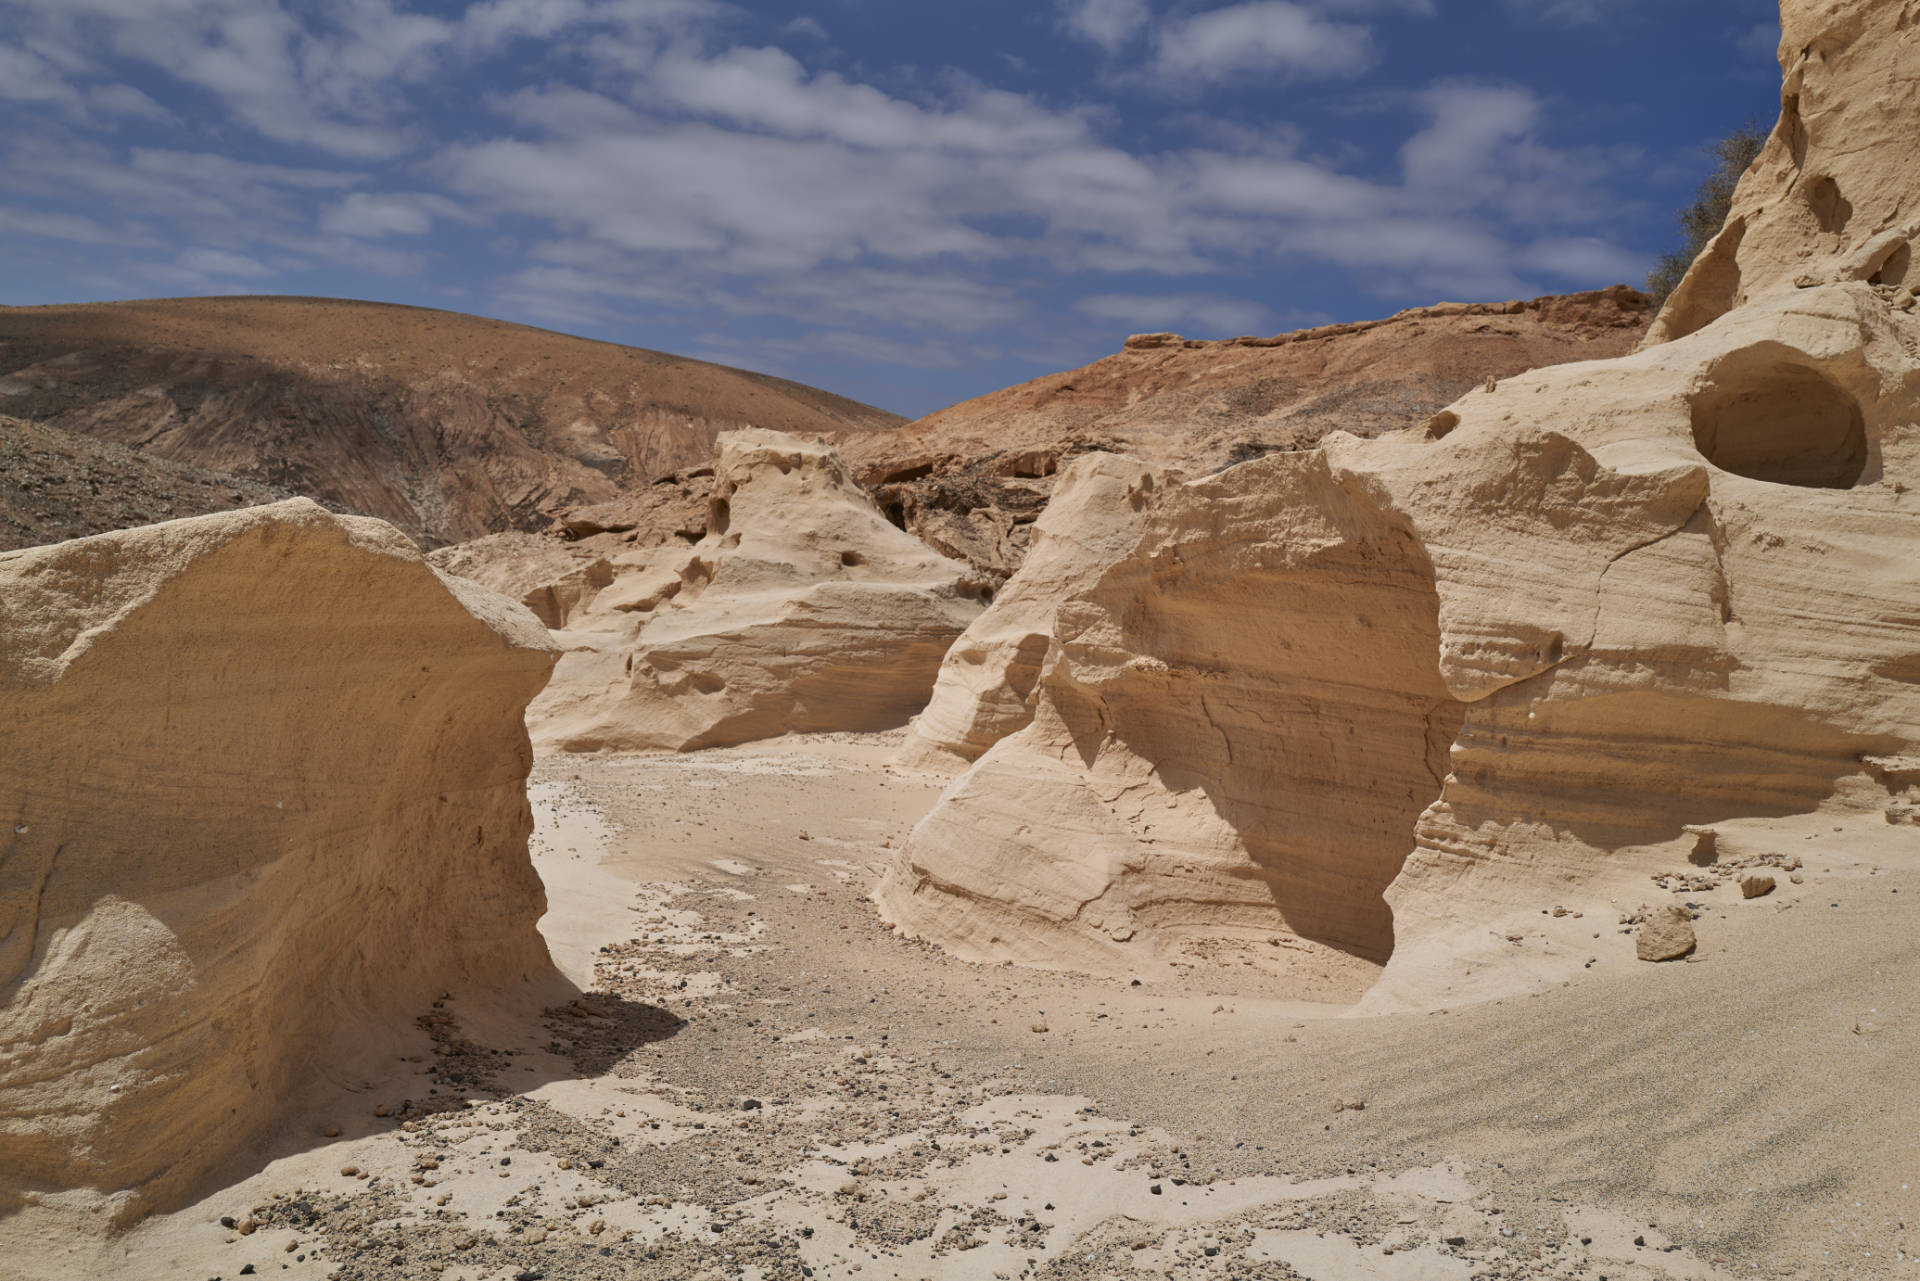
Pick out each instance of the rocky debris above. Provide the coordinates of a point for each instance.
(987, 679)
(449, 426)
(800, 609)
(971, 479)
(1831, 197)
(1364, 700)
(56, 485)
(221, 740)
(1666, 935)
(1721, 873)
(1755, 885)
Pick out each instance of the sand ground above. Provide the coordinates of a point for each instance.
(761, 1081)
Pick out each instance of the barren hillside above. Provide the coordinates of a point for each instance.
(56, 485)
(449, 426)
(971, 478)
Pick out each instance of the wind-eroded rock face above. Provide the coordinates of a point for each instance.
(262, 780)
(986, 682)
(1834, 195)
(1463, 672)
(801, 609)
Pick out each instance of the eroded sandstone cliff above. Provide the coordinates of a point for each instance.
(1458, 671)
(800, 609)
(1831, 196)
(262, 780)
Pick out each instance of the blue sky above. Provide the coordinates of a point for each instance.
(909, 203)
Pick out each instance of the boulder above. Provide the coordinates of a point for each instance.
(1666, 935)
(1756, 886)
(801, 609)
(984, 691)
(262, 787)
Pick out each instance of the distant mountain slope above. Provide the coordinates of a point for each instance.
(55, 485)
(970, 479)
(449, 426)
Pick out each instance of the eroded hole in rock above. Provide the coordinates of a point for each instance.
(1781, 423)
(852, 558)
(718, 513)
(1830, 209)
(1894, 270)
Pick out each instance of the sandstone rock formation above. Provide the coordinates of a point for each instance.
(449, 426)
(986, 683)
(971, 479)
(801, 609)
(1352, 706)
(262, 780)
(1831, 196)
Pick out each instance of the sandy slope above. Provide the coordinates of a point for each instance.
(1751, 1113)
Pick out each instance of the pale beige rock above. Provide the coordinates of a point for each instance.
(262, 776)
(1834, 195)
(802, 609)
(984, 691)
(1612, 601)
(1666, 935)
(1755, 886)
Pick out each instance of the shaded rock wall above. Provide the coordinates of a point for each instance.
(262, 780)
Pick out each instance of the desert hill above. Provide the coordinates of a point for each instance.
(56, 485)
(450, 426)
(971, 478)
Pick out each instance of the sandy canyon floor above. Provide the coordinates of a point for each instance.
(761, 1081)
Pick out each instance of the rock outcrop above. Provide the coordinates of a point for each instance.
(971, 479)
(1831, 197)
(801, 609)
(986, 683)
(262, 781)
(1353, 706)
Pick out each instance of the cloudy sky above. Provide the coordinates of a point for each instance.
(905, 201)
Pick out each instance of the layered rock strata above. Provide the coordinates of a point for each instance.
(262, 781)
(801, 609)
(1355, 704)
(986, 683)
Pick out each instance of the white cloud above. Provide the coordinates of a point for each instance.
(1570, 12)
(1110, 24)
(1583, 260)
(1215, 316)
(1271, 37)
(221, 262)
(26, 77)
(366, 214)
(1456, 153)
